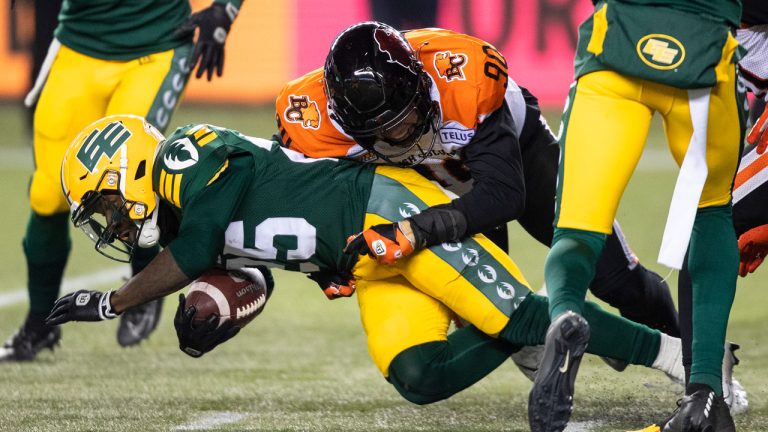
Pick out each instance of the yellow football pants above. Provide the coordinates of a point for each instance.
(412, 302)
(607, 124)
(80, 90)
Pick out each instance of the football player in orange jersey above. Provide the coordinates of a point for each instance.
(443, 102)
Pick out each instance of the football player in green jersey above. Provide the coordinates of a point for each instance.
(214, 197)
(635, 58)
(107, 57)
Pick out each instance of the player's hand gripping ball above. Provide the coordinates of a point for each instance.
(218, 304)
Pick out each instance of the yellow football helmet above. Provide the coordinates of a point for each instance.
(106, 177)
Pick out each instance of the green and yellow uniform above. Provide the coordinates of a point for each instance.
(636, 58)
(241, 201)
(108, 57)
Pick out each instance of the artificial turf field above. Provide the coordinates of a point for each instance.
(303, 364)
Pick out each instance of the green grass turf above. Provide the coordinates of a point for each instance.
(303, 364)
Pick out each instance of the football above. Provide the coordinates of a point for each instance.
(237, 295)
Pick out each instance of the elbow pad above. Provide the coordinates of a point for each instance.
(439, 224)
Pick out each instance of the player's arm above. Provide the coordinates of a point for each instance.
(497, 196)
(213, 23)
(206, 215)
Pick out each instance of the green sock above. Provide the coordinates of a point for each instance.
(570, 267)
(46, 245)
(142, 257)
(611, 335)
(434, 371)
(713, 261)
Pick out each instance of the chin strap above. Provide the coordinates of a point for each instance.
(150, 232)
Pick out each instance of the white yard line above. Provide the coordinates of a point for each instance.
(211, 420)
(585, 426)
(75, 283)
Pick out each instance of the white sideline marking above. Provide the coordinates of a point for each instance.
(85, 281)
(212, 419)
(582, 426)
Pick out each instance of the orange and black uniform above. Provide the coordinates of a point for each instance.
(494, 151)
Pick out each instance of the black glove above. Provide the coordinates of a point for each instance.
(198, 337)
(214, 23)
(334, 284)
(81, 305)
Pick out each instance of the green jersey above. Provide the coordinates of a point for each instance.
(727, 10)
(244, 201)
(123, 29)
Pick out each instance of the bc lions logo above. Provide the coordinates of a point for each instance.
(302, 110)
(450, 66)
(395, 47)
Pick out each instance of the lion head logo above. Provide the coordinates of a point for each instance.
(450, 66)
(304, 111)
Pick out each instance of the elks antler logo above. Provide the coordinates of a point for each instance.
(450, 66)
(302, 110)
(395, 47)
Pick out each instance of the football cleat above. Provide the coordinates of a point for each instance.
(26, 343)
(734, 394)
(527, 359)
(701, 411)
(550, 402)
(137, 323)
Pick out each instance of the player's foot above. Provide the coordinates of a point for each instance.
(701, 411)
(527, 359)
(136, 324)
(551, 400)
(33, 337)
(734, 394)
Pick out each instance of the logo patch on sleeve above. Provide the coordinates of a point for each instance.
(453, 135)
(304, 111)
(450, 66)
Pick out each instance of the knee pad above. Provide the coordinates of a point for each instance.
(45, 195)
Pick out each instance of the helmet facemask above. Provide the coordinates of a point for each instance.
(104, 215)
(408, 138)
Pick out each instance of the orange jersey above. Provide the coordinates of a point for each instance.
(469, 82)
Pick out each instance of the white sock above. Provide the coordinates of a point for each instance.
(670, 358)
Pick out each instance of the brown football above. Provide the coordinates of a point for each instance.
(237, 295)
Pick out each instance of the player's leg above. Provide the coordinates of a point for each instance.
(476, 279)
(713, 254)
(596, 163)
(71, 99)
(408, 342)
(620, 280)
(151, 87)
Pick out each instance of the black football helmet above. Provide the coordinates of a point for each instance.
(379, 93)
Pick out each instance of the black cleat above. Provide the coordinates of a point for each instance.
(550, 402)
(701, 411)
(137, 323)
(29, 341)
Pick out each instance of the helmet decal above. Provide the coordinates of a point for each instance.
(394, 46)
(102, 142)
(304, 111)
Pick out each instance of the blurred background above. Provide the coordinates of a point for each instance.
(303, 365)
(275, 41)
